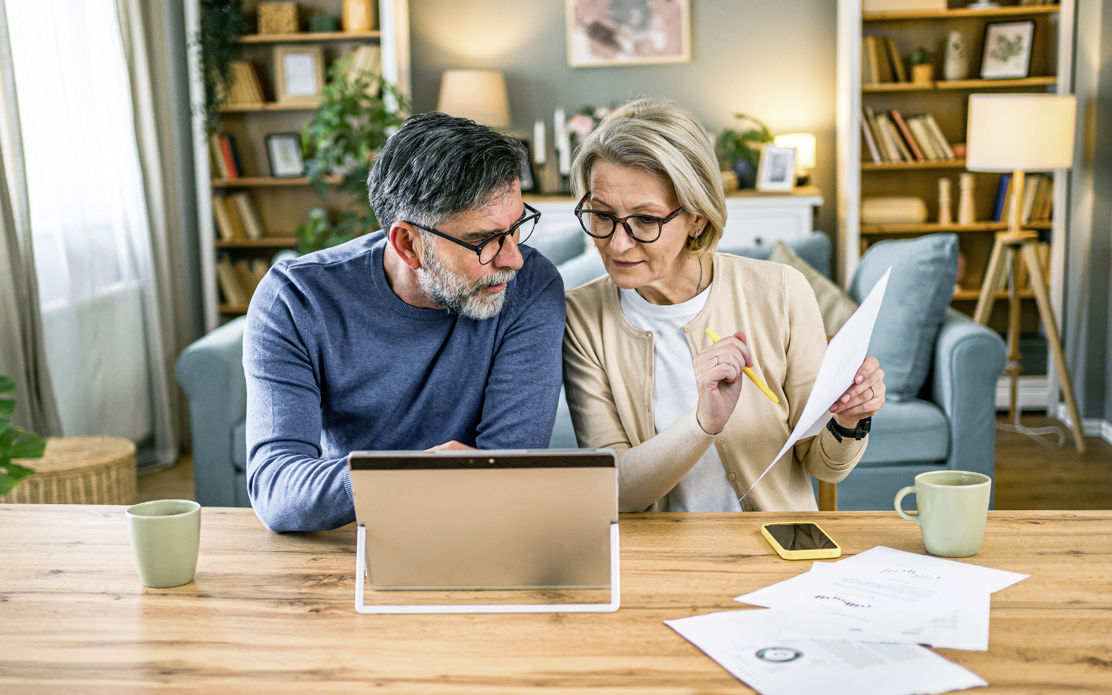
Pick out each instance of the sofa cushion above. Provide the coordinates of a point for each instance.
(239, 445)
(813, 248)
(906, 432)
(582, 269)
(919, 290)
(834, 304)
(559, 243)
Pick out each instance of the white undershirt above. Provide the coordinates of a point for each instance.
(704, 488)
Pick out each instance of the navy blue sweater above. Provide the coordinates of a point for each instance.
(336, 362)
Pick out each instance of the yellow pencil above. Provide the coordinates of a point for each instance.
(748, 371)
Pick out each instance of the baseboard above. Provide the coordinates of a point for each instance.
(1090, 427)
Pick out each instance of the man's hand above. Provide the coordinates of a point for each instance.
(451, 446)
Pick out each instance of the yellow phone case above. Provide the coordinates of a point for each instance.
(815, 554)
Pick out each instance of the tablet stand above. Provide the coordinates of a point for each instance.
(362, 607)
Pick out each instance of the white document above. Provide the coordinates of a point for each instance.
(844, 354)
(763, 649)
(891, 595)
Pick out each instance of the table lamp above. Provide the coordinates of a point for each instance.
(1018, 133)
(804, 144)
(476, 94)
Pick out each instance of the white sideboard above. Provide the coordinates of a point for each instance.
(752, 217)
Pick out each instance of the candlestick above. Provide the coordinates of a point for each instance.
(539, 145)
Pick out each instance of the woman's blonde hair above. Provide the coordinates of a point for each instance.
(665, 139)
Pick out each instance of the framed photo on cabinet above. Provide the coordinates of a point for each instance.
(1007, 50)
(300, 74)
(633, 32)
(776, 171)
(284, 152)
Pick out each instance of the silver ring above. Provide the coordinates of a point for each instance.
(872, 393)
(715, 362)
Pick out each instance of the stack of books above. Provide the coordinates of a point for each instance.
(244, 86)
(881, 61)
(236, 218)
(1038, 199)
(225, 157)
(889, 137)
(238, 280)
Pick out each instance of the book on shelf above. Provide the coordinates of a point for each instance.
(899, 73)
(939, 139)
(1043, 200)
(926, 143)
(230, 285)
(892, 136)
(224, 226)
(1030, 189)
(882, 146)
(366, 58)
(1003, 186)
(246, 87)
(905, 133)
(231, 152)
(870, 142)
(259, 268)
(219, 164)
(246, 276)
(245, 207)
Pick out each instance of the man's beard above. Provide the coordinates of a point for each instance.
(456, 293)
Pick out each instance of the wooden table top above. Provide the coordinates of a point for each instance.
(276, 613)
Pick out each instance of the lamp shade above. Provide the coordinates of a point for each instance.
(1032, 132)
(804, 144)
(476, 94)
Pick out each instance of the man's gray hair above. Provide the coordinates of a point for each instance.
(438, 165)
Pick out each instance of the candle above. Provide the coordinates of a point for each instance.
(560, 134)
(565, 153)
(539, 149)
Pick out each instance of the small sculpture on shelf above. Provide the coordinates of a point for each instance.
(955, 66)
(945, 215)
(965, 199)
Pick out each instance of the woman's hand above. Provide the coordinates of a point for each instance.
(719, 380)
(864, 398)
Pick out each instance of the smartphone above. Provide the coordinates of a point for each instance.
(800, 541)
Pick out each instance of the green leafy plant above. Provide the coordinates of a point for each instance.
(15, 442)
(353, 121)
(920, 56)
(222, 26)
(744, 142)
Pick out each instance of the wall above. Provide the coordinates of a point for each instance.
(774, 60)
(1088, 320)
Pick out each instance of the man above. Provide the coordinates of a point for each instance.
(441, 331)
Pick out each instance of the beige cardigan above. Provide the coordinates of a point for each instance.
(608, 377)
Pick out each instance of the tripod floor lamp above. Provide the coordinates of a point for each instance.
(1018, 133)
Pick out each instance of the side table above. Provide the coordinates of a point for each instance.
(80, 470)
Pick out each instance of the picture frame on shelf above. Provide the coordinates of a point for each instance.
(300, 74)
(626, 34)
(528, 178)
(776, 171)
(1007, 50)
(283, 150)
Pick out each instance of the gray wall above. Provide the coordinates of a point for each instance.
(1088, 321)
(774, 60)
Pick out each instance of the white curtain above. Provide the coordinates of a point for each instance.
(89, 224)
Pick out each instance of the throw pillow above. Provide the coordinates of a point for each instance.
(919, 290)
(834, 304)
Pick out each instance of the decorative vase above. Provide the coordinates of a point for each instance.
(956, 64)
(965, 199)
(922, 73)
(358, 15)
(746, 173)
(944, 214)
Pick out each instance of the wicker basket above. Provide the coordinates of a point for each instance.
(277, 17)
(80, 470)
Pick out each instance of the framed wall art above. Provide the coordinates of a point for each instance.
(602, 33)
(300, 73)
(1007, 50)
(284, 152)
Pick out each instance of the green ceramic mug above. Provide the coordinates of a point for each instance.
(165, 536)
(953, 506)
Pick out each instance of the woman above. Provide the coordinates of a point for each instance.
(641, 374)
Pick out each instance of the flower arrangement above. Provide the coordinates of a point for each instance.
(584, 121)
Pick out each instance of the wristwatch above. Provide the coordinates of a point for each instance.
(858, 432)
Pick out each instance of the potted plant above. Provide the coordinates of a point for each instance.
(222, 26)
(740, 149)
(922, 65)
(357, 111)
(15, 442)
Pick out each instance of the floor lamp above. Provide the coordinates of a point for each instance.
(1018, 133)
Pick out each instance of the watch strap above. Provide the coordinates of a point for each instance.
(859, 432)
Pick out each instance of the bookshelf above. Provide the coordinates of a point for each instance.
(279, 203)
(859, 177)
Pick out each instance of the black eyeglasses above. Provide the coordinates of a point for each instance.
(643, 228)
(486, 249)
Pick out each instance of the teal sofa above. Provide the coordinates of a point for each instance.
(947, 422)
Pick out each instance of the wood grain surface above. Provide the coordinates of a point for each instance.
(275, 613)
